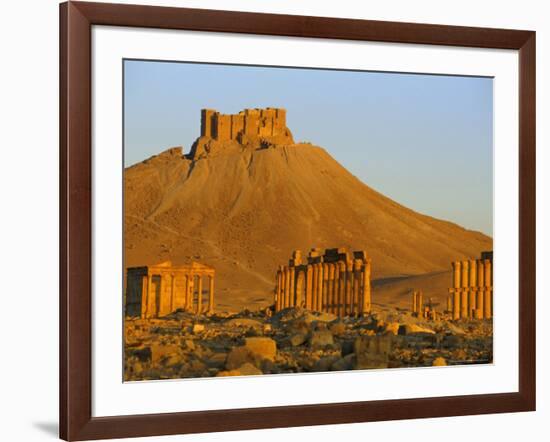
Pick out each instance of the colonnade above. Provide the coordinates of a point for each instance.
(336, 282)
(156, 291)
(418, 303)
(471, 294)
(423, 309)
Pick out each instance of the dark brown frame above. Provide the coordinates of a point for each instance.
(76, 421)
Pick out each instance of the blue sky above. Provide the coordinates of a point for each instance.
(425, 141)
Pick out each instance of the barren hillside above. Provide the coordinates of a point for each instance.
(243, 211)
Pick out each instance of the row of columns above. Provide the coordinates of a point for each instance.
(167, 292)
(471, 296)
(418, 303)
(342, 287)
(422, 309)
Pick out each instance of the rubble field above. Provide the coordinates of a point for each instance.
(294, 340)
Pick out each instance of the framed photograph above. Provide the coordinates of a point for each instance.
(275, 220)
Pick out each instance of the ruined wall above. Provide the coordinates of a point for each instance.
(253, 123)
(206, 122)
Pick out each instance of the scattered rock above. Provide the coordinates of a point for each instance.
(216, 360)
(411, 329)
(452, 341)
(298, 327)
(246, 369)
(459, 354)
(265, 348)
(347, 347)
(244, 322)
(324, 363)
(161, 351)
(249, 370)
(454, 329)
(142, 354)
(337, 328)
(198, 328)
(392, 327)
(439, 362)
(319, 339)
(197, 366)
(239, 356)
(189, 344)
(345, 363)
(372, 351)
(298, 339)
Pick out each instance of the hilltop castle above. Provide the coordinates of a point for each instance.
(253, 128)
(268, 122)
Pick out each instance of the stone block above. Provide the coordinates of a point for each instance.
(265, 348)
(320, 339)
(160, 352)
(372, 351)
(239, 356)
(247, 369)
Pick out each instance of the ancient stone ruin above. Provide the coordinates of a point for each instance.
(421, 309)
(472, 291)
(252, 128)
(336, 282)
(157, 290)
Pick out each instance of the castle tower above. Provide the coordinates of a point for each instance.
(206, 122)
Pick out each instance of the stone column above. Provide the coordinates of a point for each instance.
(199, 294)
(473, 286)
(464, 297)
(151, 299)
(349, 287)
(330, 289)
(336, 290)
(190, 292)
(277, 290)
(366, 287)
(420, 301)
(161, 308)
(325, 299)
(292, 287)
(319, 306)
(144, 292)
(487, 304)
(184, 291)
(456, 289)
(414, 302)
(287, 287)
(480, 285)
(356, 286)
(309, 287)
(449, 304)
(172, 293)
(211, 295)
(342, 289)
(314, 285)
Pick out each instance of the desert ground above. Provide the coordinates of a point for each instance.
(295, 340)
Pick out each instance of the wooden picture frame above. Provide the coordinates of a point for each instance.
(76, 20)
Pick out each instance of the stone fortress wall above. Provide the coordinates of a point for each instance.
(253, 123)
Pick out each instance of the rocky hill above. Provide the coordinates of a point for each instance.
(242, 203)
